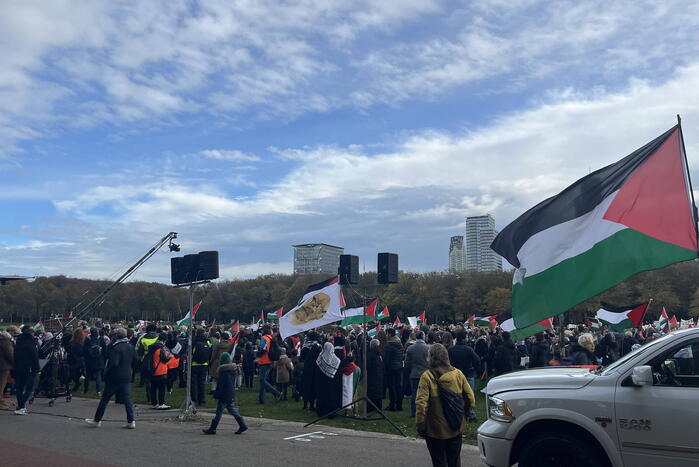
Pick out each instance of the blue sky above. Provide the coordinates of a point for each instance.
(249, 126)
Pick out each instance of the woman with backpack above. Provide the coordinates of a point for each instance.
(94, 350)
(442, 424)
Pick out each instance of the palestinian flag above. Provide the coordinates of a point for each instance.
(39, 325)
(187, 320)
(384, 313)
(354, 316)
(422, 319)
(634, 215)
(673, 323)
(397, 321)
(262, 317)
(621, 318)
(235, 327)
(483, 321)
(373, 331)
(371, 309)
(663, 321)
(522, 333)
(276, 314)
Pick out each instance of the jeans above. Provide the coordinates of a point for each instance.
(157, 389)
(414, 383)
(247, 378)
(123, 393)
(220, 405)
(265, 384)
(97, 375)
(199, 373)
(24, 386)
(472, 382)
(445, 452)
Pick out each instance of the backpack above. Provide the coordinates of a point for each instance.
(95, 351)
(148, 367)
(452, 405)
(202, 353)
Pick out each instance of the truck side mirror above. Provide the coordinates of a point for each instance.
(642, 375)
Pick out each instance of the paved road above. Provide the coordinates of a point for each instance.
(58, 436)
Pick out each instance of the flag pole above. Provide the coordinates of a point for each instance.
(689, 179)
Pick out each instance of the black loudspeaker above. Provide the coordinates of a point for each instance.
(387, 268)
(177, 271)
(349, 269)
(191, 268)
(208, 265)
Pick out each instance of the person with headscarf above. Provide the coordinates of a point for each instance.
(328, 388)
(309, 354)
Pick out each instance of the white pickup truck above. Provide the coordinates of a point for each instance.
(642, 410)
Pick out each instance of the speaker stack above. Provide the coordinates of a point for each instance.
(202, 266)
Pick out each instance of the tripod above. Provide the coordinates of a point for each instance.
(49, 375)
(364, 398)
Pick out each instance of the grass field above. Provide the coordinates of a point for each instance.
(293, 411)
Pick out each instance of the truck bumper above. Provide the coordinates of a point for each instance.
(493, 446)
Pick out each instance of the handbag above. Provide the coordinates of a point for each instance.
(452, 405)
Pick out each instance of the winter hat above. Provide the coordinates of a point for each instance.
(225, 358)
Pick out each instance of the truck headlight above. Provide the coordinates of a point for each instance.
(498, 410)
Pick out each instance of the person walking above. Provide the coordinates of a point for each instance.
(117, 379)
(26, 367)
(7, 359)
(443, 441)
(225, 395)
(283, 368)
(264, 363)
(416, 362)
(94, 350)
(218, 349)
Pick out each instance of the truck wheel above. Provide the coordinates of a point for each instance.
(561, 450)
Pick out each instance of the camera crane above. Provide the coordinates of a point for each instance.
(52, 348)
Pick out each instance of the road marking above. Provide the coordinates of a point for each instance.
(310, 436)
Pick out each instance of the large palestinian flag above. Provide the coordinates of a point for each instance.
(631, 216)
(354, 316)
(621, 318)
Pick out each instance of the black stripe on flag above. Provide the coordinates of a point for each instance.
(619, 309)
(578, 199)
(319, 286)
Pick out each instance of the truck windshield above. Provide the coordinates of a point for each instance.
(612, 367)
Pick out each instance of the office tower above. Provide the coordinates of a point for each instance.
(316, 258)
(480, 233)
(457, 255)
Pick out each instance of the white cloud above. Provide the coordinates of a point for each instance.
(246, 271)
(229, 155)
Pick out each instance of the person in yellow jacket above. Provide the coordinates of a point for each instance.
(148, 339)
(443, 442)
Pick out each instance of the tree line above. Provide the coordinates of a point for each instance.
(444, 297)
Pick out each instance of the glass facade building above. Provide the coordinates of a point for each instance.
(317, 258)
(480, 233)
(457, 255)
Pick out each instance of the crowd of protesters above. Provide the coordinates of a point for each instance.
(320, 369)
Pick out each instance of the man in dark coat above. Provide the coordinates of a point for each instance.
(309, 354)
(467, 360)
(117, 379)
(394, 369)
(539, 354)
(505, 358)
(375, 375)
(416, 363)
(94, 350)
(26, 367)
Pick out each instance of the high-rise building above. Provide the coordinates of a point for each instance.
(480, 233)
(317, 258)
(457, 255)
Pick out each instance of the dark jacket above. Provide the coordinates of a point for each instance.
(416, 359)
(539, 354)
(120, 360)
(375, 373)
(26, 354)
(582, 356)
(393, 355)
(75, 354)
(94, 363)
(249, 361)
(225, 384)
(465, 359)
(505, 358)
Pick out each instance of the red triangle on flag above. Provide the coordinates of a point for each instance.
(262, 316)
(423, 317)
(636, 315)
(235, 326)
(279, 312)
(371, 309)
(470, 320)
(397, 321)
(195, 309)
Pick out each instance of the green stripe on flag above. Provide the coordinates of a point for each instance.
(574, 280)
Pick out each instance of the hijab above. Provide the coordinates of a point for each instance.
(327, 361)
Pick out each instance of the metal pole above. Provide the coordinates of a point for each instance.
(188, 405)
(365, 385)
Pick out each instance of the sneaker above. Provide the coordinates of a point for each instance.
(21, 412)
(130, 425)
(91, 422)
(208, 431)
(163, 407)
(241, 430)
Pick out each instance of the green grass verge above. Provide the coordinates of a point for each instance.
(293, 411)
